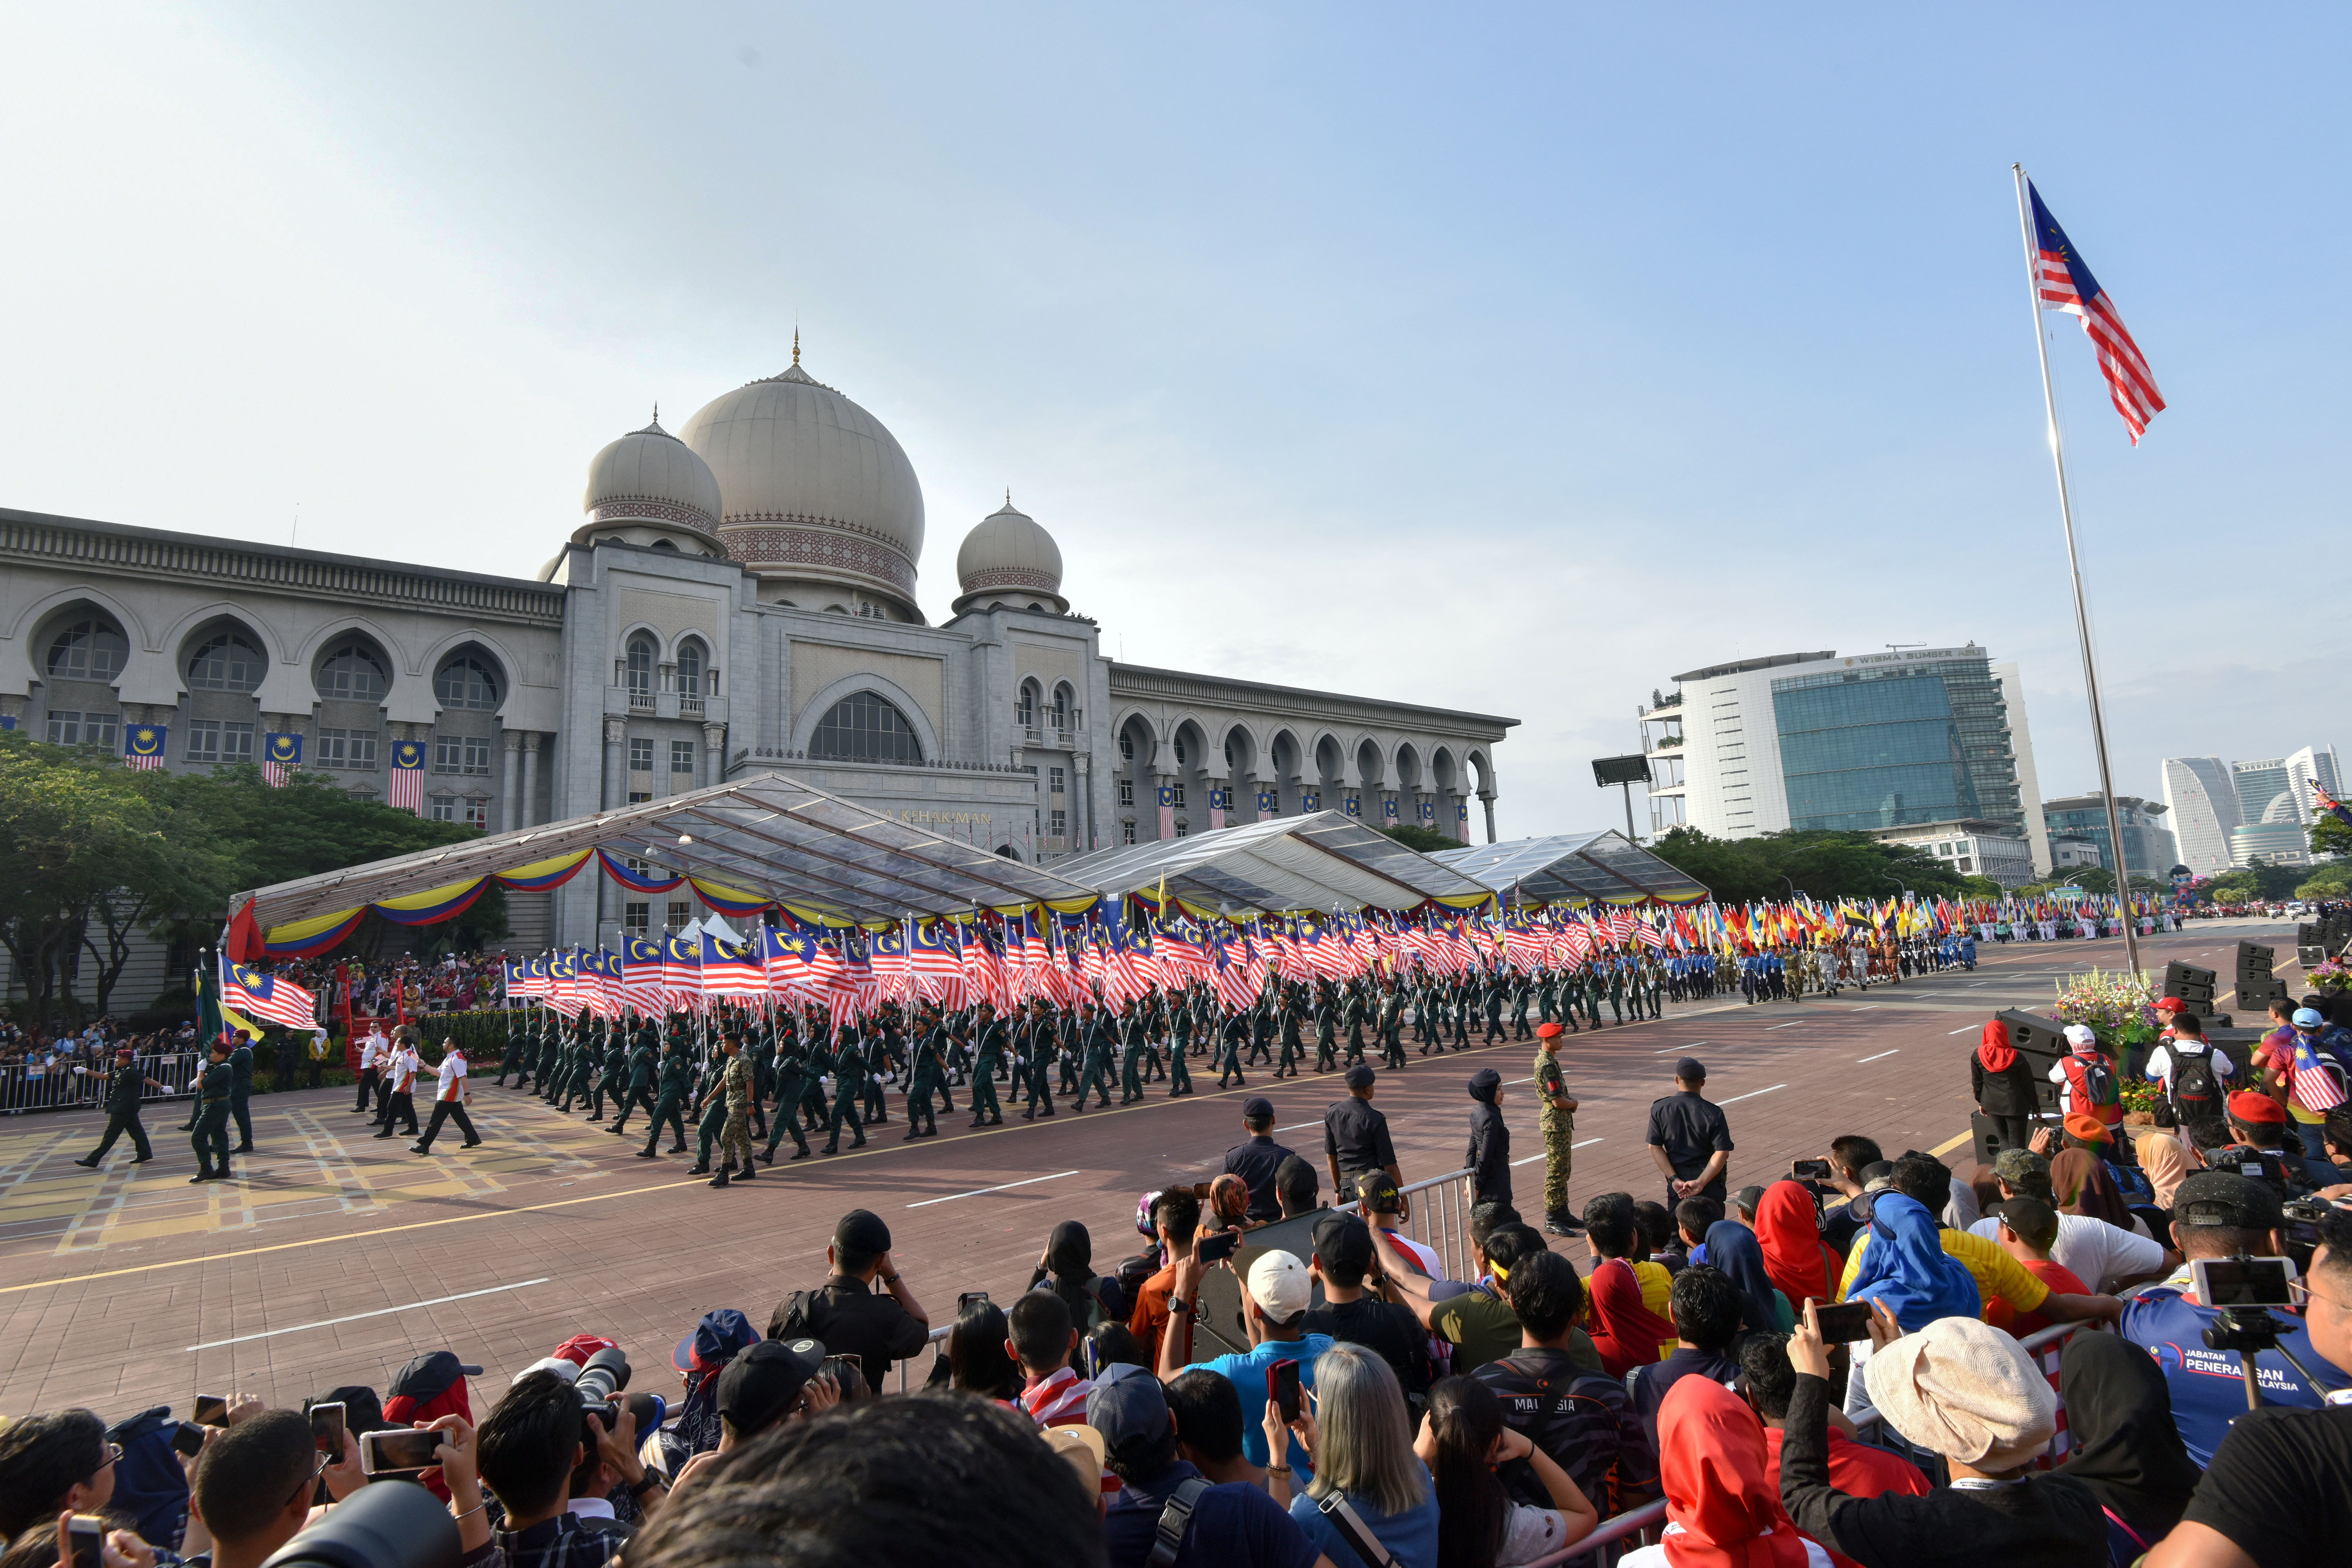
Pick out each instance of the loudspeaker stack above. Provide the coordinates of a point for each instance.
(2257, 986)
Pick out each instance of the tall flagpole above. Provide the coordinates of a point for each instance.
(2121, 870)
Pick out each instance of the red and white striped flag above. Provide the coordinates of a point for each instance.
(407, 792)
(2063, 283)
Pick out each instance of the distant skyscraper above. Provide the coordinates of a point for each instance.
(2149, 847)
(2029, 782)
(2312, 764)
(2200, 798)
(2258, 784)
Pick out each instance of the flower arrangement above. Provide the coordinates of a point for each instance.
(2330, 974)
(2119, 1006)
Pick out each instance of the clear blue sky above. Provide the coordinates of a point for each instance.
(1513, 360)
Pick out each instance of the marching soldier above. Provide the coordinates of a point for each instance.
(240, 1093)
(735, 1136)
(612, 1080)
(1293, 1047)
(125, 1083)
(792, 1083)
(510, 1058)
(676, 1079)
(641, 1068)
(989, 1054)
(1353, 1012)
(927, 1072)
(1494, 1003)
(1519, 989)
(1095, 1039)
(211, 1139)
(1036, 1047)
(1557, 1114)
(1133, 1032)
(1327, 1028)
(1229, 1056)
(848, 1082)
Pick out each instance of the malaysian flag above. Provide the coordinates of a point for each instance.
(641, 975)
(280, 755)
(142, 745)
(2063, 283)
(408, 776)
(257, 994)
(1167, 811)
(732, 968)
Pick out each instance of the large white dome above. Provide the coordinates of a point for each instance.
(1007, 559)
(650, 475)
(814, 487)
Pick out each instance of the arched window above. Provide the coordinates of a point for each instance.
(689, 669)
(1182, 760)
(352, 671)
(867, 728)
(1126, 746)
(665, 545)
(1061, 707)
(88, 651)
(466, 681)
(641, 668)
(1025, 710)
(227, 662)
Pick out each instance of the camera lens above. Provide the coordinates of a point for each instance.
(391, 1524)
(606, 1373)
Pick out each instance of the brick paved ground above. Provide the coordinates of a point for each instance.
(341, 1255)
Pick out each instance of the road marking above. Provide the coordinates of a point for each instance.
(1533, 1158)
(1749, 1095)
(1297, 1125)
(1940, 1150)
(1950, 1033)
(356, 1317)
(1790, 1025)
(1879, 1058)
(1007, 1186)
(1866, 1007)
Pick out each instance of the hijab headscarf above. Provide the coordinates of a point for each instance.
(1625, 1333)
(1905, 1265)
(1732, 1247)
(1712, 1464)
(1994, 1049)
(1790, 1239)
(2080, 1182)
(2126, 1448)
(2167, 1162)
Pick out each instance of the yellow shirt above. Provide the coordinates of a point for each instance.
(1998, 1275)
(1657, 1293)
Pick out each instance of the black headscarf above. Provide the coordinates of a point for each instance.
(2127, 1448)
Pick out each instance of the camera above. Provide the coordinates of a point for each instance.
(393, 1524)
(1217, 1249)
(606, 1373)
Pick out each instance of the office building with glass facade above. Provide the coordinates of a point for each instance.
(2149, 848)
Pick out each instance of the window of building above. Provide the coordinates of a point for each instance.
(467, 683)
(351, 672)
(681, 756)
(1182, 760)
(1966, 869)
(1062, 712)
(84, 728)
(1183, 828)
(1054, 777)
(1176, 796)
(1057, 822)
(867, 728)
(226, 663)
(354, 748)
(89, 649)
(461, 755)
(636, 919)
(364, 792)
(217, 740)
(1126, 792)
(1127, 832)
(639, 797)
(641, 756)
(477, 812)
(638, 669)
(1126, 748)
(689, 669)
(1024, 707)
(443, 807)
(681, 913)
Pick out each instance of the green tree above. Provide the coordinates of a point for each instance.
(2329, 836)
(1822, 864)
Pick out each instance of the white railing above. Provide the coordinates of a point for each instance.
(55, 1086)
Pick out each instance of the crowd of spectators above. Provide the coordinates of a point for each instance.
(40, 1070)
(1812, 1371)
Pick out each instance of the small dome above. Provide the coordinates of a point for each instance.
(651, 478)
(1008, 559)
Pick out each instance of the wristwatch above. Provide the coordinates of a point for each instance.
(1177, 1304)
(652, 1478)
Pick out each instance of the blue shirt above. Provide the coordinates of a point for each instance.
(1411, 1537)
(1247, 1375)
(2209, 1390)
(1232, 1523)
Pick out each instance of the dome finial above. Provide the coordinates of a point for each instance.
(656, 410)
(796, 342)
(1008, 495)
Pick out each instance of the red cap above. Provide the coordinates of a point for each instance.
(1548, 1031)
(2170, 1004)
(2086, 1127)
(2256, 1109)
(579, 1348)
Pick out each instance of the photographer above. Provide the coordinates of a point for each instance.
(767, 1385)
(1351, 1314)
(250, 1488)
(1234, 1524)
(1274, 1297)
(845, 1314)
(530, 1448)
(2218, 1215)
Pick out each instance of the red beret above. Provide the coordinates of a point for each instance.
(2086, 1127)
(1546, 1031)
(2251, 1107)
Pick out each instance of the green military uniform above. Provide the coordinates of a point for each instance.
(710, 1100)
(1294, 1043)
(583, 1072)
(1098, 1041)
(990, 1056)
(1617, 992)
(736, 1081)
(1519, 1030)
(848, 1080)
(1657, 979)
(1180, 1074)
(1326, 1032)
(1559, 1128)
(1589, 983)
(526, 1055)
(1389, 1025)
(643, 1064)
(1352, 1015)
(240, 1093)
(926, 1076)
(793, 1077)
(1132, 1030)
(677, 1081)
(1547, 998)
(611, 1081)
(211, 1139)
(1229, 1052)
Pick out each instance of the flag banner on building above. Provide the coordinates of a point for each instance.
(259, 995)
(407, 777)
(1310, 802)
(1353, 806)
(1167, 811)
(142, 745)
(280, 755)
(2064, 283)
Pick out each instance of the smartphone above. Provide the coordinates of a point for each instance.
(327, 1430)
(392, 1451)
(1845, 1323)
(2243, 1281)
(189, 1439)
(1282, 1387)
(86, 1539)
(1811, 1170)
(968, 1297)
(211, 1410)
(1217, 1249)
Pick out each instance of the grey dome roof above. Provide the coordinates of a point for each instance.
(1007, 556)
(651, 476)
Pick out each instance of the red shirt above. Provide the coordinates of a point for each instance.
(2062, 1282)
(1856, 1468)
(1149, 1318)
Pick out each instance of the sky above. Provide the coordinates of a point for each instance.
(1512, 359)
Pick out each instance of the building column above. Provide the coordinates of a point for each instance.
(616, 738)
(714, 754)
(1486, 799)
(528, 809)
(511, 782)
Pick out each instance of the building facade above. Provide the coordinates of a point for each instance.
(1809, 741)
(2069, 854)
(2150, 849)
(2272, 843)
(2201, 800)
(1971, 846)
(741, 597)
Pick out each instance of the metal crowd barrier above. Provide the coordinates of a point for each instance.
(27, 1087)
(1440, 1221)
(1651, 1515)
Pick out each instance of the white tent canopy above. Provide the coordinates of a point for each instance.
(1572, 867)
(1326, 861)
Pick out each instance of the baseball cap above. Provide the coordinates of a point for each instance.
(1690, 1069)
(1343, 1243)
(2307, 1018)
(1279, 1285)
(1129, 1407)
(1362, 1076)
(2035, 1221)
(2081, 1034)
(2017, 1166)
(715, 1340)
(861, 1230)
(759, 1386)
(569, 1371)
(1746, 1198)
(2220, 1197)
(2256, 1109)
(1083, 1448)
(2169, 1004)
(1257, 1106)
(1548, 1031)
(428, 1377)
(1377, 1194)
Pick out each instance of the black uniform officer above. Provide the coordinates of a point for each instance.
(1257, 1160)
(1356, 1137)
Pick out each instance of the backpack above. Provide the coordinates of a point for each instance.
(1134, 1271)
(2092, 1079)
(2195, 1090)
(1175, 1521)
(150, 1485)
